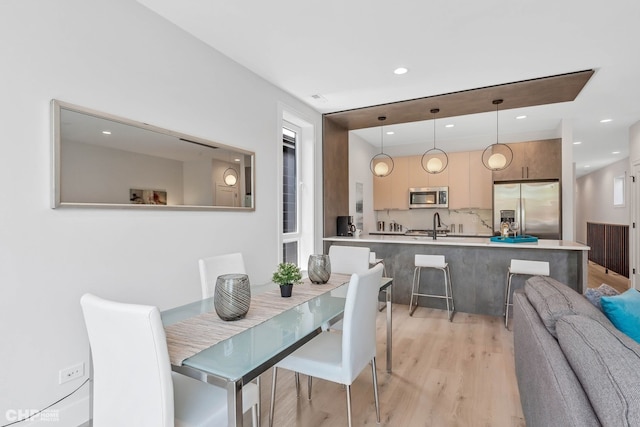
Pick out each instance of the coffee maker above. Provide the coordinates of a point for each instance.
(345, 226)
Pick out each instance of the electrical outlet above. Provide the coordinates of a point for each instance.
(71, 373)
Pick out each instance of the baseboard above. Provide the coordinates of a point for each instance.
(72, 412)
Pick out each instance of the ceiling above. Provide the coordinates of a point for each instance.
(336, 55)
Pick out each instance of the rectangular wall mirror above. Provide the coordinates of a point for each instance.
(101, 160)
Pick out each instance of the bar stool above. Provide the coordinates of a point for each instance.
(437, 262)
(520, 266)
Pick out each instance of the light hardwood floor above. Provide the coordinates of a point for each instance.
(598, 276)
(444, 374)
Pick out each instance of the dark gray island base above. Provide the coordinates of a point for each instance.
(478, 267)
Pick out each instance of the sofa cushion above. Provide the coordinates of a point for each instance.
(624, 312)
(550, 392)
(606, 363)
(553, 299)
(594, 294)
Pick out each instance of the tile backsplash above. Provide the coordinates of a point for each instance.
(473, 221)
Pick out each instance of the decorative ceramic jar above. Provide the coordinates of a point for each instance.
(319, 268)
(232, 296)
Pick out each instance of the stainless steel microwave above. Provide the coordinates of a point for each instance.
(428, 197)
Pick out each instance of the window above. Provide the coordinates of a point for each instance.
(618, 191)
(290, 197)
(297, 203)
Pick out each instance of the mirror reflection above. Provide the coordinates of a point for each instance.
(100, 159)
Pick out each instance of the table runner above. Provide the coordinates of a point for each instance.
(190, 336)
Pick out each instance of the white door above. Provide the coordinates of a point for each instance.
(226, 195)
(634, 236)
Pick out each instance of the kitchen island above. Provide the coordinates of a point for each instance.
(478, 266)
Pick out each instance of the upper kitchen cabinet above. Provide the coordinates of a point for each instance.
(480, 183)
(533, 160)
(470, 183)
(458, 180)
(392, 192)
(418, 177)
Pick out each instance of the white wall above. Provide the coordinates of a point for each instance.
(360, 153)
(95, 174)
(118, 57)
(594, 198)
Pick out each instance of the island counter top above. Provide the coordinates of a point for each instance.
(460, 241)
(478, 266)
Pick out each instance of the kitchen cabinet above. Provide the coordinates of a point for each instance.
(458, 180)
(533, 160)
(480, 183)
(470, 183)
(392, 192)
(439, 179)
(418, 177)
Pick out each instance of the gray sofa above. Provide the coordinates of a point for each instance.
(573, 367)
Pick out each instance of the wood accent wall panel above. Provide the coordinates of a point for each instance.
(609, 245)
(335, 174)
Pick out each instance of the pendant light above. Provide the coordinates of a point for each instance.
(434, 160)
(230, 175)
(381, 164)
(497, 157)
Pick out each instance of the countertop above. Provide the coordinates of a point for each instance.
(462, 241)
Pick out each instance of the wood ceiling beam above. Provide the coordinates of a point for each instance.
(526, 93)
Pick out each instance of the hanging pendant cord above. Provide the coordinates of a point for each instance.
(497, 103)
(382, 119)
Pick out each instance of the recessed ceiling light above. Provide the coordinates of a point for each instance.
(587, 166)
(615, 152)
(449, 125)
(106, 132)
(390, 132)
(400, 70)
(236, 160)
(605, 120)
(521, 117)
(577, 142)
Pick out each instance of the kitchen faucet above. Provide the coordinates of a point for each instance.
(436, 215)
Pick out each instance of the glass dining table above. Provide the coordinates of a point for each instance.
(246, 354)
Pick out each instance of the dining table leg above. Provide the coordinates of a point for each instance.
(389, 328)
(234, 403)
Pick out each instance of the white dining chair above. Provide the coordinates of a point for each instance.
(349, 259)
(341, 357)
(212, 267)
(133, 384)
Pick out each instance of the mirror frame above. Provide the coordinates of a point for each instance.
(56, 202)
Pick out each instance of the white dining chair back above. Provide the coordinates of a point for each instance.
(349, 259)
(131, 369)
(341, 357)
(133, 385)
(359, 322)
(212, 267)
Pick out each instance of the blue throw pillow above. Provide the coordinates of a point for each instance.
(624, 312)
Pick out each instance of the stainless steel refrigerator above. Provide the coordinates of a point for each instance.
(535, 206)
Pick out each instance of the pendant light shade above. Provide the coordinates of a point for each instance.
(434, 160)
(230, 175)
(381, 164)
(497, 157)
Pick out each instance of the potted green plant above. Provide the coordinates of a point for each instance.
(287, 275)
